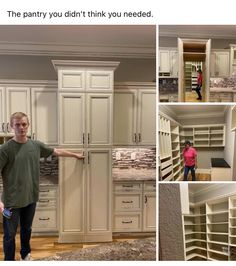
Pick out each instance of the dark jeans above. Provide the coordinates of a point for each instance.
(25, 217)
(186, 170)
(198, 91)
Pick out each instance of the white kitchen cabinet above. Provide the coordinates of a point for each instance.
(220, 64)
(134, 116)
(44, 115)
(85, 119)
(134, 205)
(164, 61)
(174, 64)
(13, 99)
(149, 211)
(85, 197)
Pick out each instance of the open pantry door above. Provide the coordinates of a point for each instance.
(181, 89)
(207, 70)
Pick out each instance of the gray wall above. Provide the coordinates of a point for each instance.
(170, 223)
(41, 68)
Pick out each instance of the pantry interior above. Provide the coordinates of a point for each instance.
(205, 217)
(209, 128)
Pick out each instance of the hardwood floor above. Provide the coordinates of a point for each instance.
(46, 246)
(192, 97)
(200, 177)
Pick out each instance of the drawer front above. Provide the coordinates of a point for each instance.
(127, 186)
(45, 219)
(124, 222)
(47, 193)
(46, 203)
(127, 202)
(150, 186)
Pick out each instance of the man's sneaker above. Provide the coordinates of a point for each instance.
(27, 257)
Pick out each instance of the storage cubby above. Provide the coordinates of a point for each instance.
(216, 256)
(195, 254)
(218, 248)
(220, 238)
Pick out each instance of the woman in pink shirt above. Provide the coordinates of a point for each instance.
(190, 160)
(199, 84)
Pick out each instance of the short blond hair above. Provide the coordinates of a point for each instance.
(18, 115)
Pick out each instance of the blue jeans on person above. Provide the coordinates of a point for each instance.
(186, 170)
(25, 216)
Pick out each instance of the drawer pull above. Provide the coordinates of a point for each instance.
(43, 200)
(44, 219)
(128, 222)
(123, 201)
(127, 185)
(44, 191)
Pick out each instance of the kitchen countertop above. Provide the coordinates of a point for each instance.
(133, 174)
(219, 163)
(222, 89)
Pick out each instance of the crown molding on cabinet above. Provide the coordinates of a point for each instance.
(53, 49)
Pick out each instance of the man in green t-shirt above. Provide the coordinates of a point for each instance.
(20, 168)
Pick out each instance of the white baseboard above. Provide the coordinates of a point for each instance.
(203, 171)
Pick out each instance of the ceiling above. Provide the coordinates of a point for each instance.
(203, 31)
(93, 40)
(200, 110)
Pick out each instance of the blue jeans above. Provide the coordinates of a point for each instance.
(25, 217)
(186, 170)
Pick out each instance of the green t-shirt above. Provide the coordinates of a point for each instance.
(20, 167)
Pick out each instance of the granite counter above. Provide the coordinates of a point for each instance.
(133, 174)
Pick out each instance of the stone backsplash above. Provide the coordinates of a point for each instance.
(49, 167)
(134, 158)
(229, 82)
(168, 85)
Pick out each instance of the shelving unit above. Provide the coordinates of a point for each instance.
(165, 149)
(233, 118)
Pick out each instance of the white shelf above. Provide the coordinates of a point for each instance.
(217, 213)
(193, 255)
(195, 240)
(217, 233)
(195, 247)
(217, 242)
(218, 252)
(192, 233)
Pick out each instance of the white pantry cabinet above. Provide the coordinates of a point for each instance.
(164, 61)
(135, 115)
(85, 121)
(85, 197)
(13, 99)
(44, 115)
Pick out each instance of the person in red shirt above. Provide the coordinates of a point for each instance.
(190, 160)
(199, 84)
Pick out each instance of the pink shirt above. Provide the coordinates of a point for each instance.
(189, 156)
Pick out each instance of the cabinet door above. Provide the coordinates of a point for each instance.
(222, 64)
(99, 119)
(44, 115)
(164, 61)
(147, 117)
(72, 124)
(71, 200)
(149, 211)
(99, 188)
(2, 110)
(99, 81)
(17, 100)
(71, 80)
(125, 116)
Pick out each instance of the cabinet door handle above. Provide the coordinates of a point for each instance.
(139, 137)
(127, 185)
(44, 219)
(145, 201)
(3, 127)
(45, 191)
(8, 128)
(43, 200)
(88, 158)
(127, 222)
(83, 137)
(135, 137)
(88, 138)
(123, 201)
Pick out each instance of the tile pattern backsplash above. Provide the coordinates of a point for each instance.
(228, 82)
(49, 167)
(168, 85)
(134, 158)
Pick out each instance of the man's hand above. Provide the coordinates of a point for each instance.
(1, 206)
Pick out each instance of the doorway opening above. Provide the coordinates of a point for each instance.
(194, 55)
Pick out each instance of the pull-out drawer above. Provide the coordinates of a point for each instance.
(150, 186)
(127, 202)
(47, 192)
(44, 220)
(127, 186)
(46, 203)
(125, 222)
